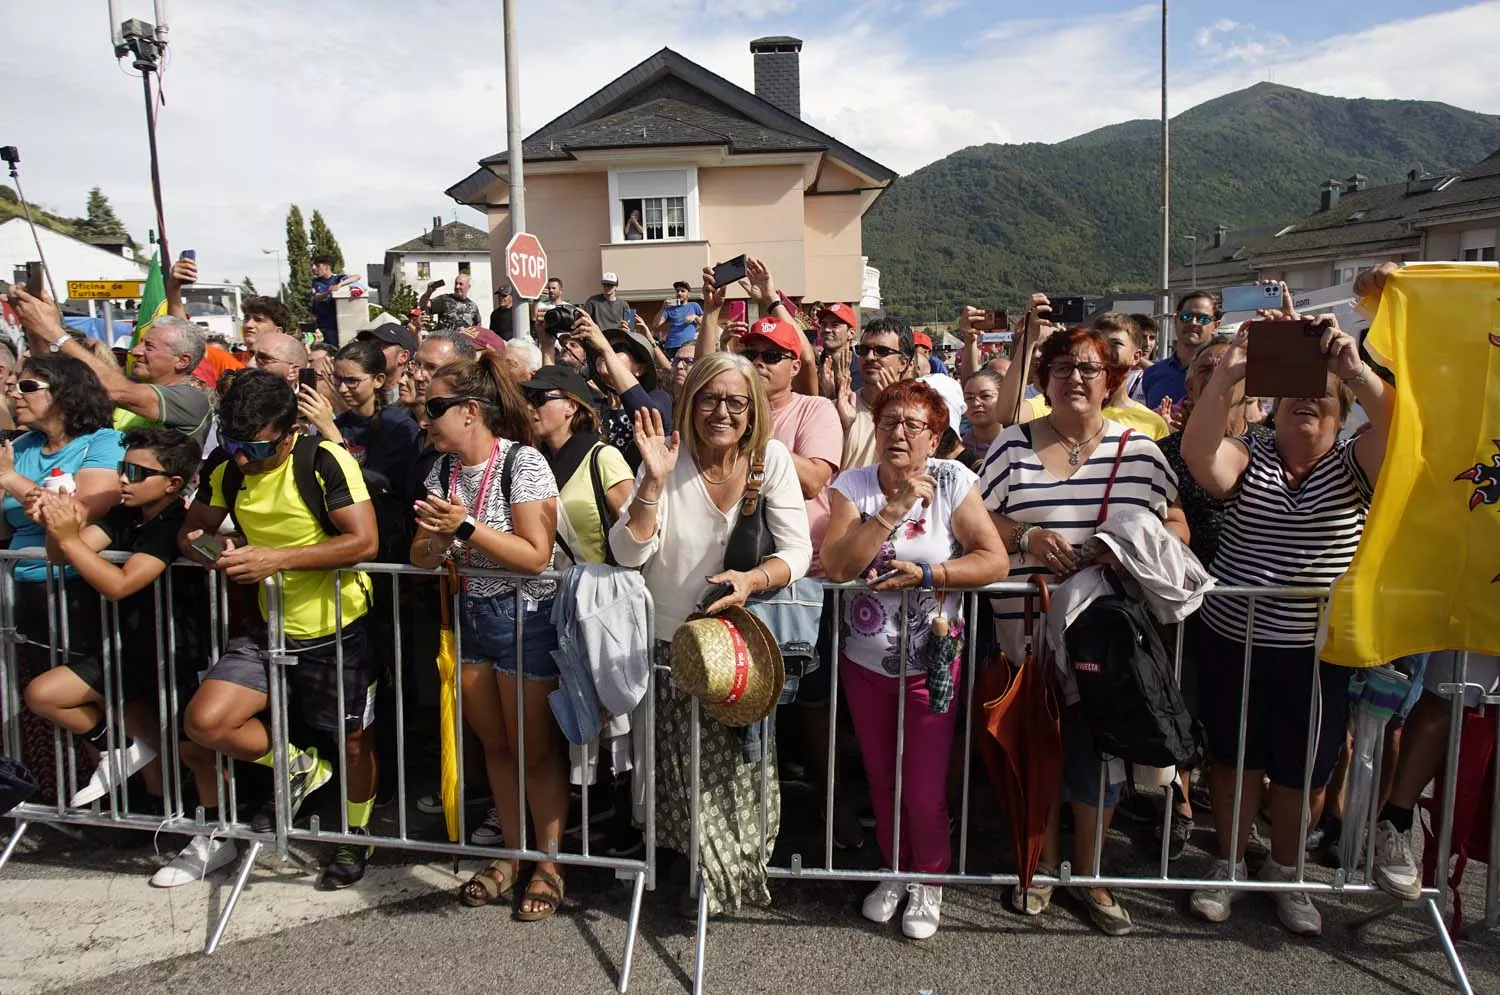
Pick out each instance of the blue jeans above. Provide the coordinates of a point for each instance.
(487, 634)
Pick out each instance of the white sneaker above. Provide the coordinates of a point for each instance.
(881, 903)
(1295, 909)
(132, 758)
(488, 832)
(923, 910)
(1396, 869)
(200, 858)
(1213, 904)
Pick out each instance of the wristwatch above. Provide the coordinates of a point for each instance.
(56, 344)
(465, 528)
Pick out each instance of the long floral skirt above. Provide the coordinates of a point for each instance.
(729, 845)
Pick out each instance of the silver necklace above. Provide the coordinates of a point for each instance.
(1075, 452)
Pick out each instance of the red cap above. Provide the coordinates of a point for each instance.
(842, 312)
(483, 338)
(782, 333)
(922, 339)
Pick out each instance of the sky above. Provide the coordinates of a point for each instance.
(368, 109)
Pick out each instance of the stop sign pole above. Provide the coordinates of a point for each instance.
(520, 313)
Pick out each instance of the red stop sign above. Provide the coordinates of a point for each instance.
(526, 265)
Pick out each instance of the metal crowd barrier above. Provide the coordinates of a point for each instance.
(1345, 882)
(119, 811)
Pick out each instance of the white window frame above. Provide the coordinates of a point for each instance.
(673, 182)
(1473, 243)
(1346, 270)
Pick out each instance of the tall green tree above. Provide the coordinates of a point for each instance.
(297, 294)
(247, 287)
(323, 242)
(101, 223)
(400, 301)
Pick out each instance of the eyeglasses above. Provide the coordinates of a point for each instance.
(768, 356)
(32, 386)
(537, 398)
(255, 450)
(911, 425)
(351, 381)
(988, 397)
(1189, 318)
(735, 404)
(686, 363)
(135, 473)
(1065, 371)
(879, 351)
(437, 407)
(262, 358)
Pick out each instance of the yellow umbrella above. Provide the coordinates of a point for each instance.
(447, 668)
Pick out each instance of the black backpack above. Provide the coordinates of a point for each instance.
(393, 520)
(1126, 691)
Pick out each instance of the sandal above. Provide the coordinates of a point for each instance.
(550, 895)
(489, 885)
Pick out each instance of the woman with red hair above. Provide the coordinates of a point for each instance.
(1050, 483)
(910, 521)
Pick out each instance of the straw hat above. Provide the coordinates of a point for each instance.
(731, 663)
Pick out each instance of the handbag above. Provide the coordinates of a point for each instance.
(750, 541)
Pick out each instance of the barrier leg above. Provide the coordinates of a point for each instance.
(700, 942)
(247, 863)
(15, 837)
(1460, 976)
(631, 926)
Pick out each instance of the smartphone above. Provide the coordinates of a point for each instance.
(735, 310)
(308, 377)
(207, 546)
(715, 592)
(1066, 310)
(993, 319)
(1285, 359)
(1252, 297)
(190, 254)
(995, 338)
(34, 278)
(630, 318)
(729, 271)
(438, 283)
(12, 434)
(882, 578)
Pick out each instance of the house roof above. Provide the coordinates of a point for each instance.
(1477, 187)
(669, 100)
(457, 237)
(1371, 220)
(1229, 262)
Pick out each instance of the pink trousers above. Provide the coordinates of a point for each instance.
(872, 700)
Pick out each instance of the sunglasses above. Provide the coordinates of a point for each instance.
(32, 386)
(878, 351)
(135, 473)
(768, 356)
(256, 449)
(537, 398)
(437, 407)
(1189, 318)
(685, 363)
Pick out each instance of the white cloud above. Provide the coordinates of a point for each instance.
(369, 110)
(1207, 37)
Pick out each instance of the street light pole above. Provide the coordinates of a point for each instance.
(1166, 194)
(1194, 240)
(521, 314)
(279, 285)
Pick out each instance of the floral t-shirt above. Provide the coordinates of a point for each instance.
(870, 632)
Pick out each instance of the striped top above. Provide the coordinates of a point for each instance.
(1014, 483)
(1279, 535)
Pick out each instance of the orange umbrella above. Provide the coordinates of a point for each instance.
(1021, 742)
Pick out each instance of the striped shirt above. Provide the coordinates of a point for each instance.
(1280, 535)
(1014, 483)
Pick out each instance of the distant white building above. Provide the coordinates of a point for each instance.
(441, 253)
(869, 297)
(68, 258)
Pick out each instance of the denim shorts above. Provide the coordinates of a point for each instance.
(487, 634)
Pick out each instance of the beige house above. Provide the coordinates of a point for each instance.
(671, 168)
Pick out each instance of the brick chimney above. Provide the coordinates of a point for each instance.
(438, 239)
(1356, 183)
(1331, 190)
(778, 74)
(1220, 233)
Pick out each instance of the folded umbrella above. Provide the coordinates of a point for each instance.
(447, 668)
(1021, 743)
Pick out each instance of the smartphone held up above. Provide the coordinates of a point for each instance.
(1285, 358)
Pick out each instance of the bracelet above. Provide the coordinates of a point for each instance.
(1019, 534)
(767, 575)
(640, 500)
(1357, 378)
(879, 516)
(926, 575)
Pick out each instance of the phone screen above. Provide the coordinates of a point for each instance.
(308, 377)
(729, 271)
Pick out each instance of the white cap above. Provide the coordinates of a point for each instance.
(609, 278)
(121, 342)
(953, 396)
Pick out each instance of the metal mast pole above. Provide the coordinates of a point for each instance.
(1166, 336)
(521, 313)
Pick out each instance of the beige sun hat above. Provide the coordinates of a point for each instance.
(731, 663)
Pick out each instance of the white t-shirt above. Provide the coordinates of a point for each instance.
(870, 632)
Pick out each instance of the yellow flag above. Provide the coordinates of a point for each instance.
(1427, 573)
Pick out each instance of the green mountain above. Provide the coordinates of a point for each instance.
(991, 223)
